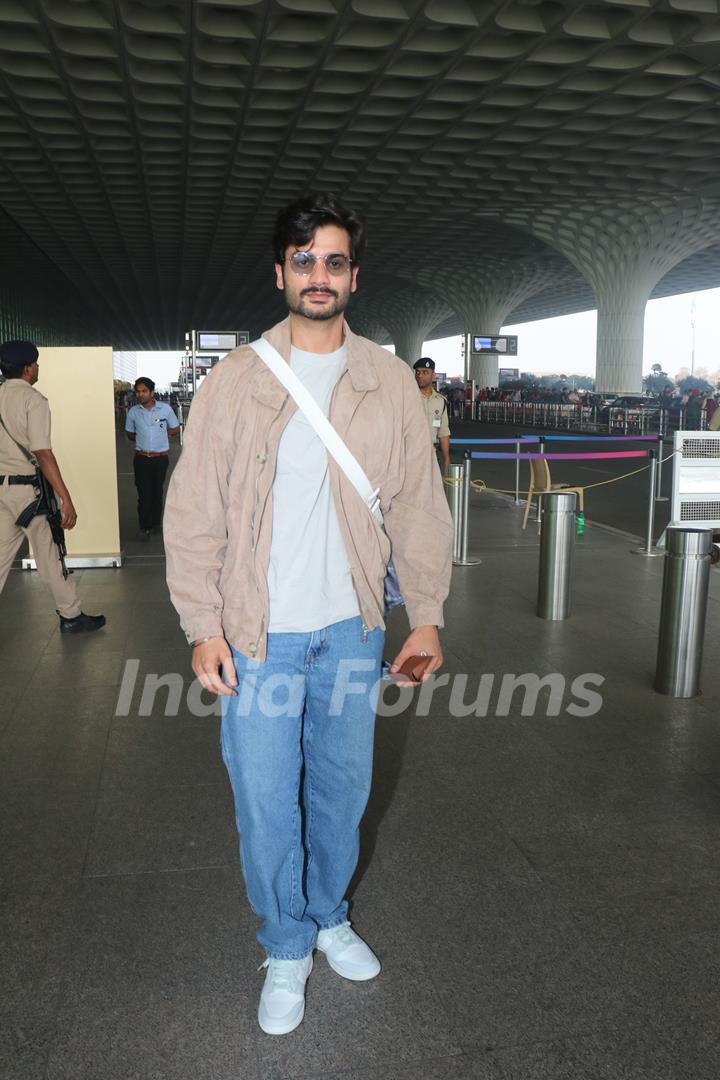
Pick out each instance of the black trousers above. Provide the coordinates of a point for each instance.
(150, 475)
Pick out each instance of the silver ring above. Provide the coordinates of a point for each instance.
(423, 653)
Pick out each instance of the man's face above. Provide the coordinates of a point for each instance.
(320, 295)
(33, 371)
(424, 377)
(143, 393)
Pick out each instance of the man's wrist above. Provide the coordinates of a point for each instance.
(204, 640)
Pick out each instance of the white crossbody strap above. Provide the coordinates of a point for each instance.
(324, 429)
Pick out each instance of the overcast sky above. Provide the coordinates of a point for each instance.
(565, 345)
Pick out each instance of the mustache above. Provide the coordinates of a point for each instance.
(318, 289)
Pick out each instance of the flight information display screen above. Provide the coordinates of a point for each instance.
(493, 343)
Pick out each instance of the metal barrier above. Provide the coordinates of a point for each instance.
(682, 617)
(459, 481)
(454, 493)
(608, 420)
(557, 546)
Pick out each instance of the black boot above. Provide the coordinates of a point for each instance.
(81, 624)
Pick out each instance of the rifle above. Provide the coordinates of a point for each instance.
(45, 503)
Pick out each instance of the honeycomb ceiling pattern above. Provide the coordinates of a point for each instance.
(145, 147)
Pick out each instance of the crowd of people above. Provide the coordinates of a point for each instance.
(696, 406)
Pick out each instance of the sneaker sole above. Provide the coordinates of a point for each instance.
(352, 973)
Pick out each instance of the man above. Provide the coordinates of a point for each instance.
(25, 423)
(435, 408)
(276, 567)
(148, 425)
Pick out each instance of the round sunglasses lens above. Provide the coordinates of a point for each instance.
(337, 264)
(302, 262)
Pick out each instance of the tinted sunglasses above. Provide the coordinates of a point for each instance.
(303, 263)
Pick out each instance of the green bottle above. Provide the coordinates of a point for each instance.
(580, 523)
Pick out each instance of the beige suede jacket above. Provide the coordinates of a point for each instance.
(218, 516)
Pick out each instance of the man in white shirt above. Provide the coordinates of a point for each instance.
(276, 567)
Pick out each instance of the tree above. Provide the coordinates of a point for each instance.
(691, 382)
(656, 382)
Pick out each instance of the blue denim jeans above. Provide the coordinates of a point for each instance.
(297, 742)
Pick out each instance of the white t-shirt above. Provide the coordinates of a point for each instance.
(309, 577)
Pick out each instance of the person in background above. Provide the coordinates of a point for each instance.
(25, 425)
(435, 408)
(150, 424)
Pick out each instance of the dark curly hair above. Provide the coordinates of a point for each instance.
(296, 224)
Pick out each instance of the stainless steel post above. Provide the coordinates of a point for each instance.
(659, 497)
(682, 615)
(649, 550)
(454, 497)
(461, 559)
(517, 474)
(557, 544)
(540, 450)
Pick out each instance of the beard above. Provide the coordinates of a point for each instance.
(301, 305)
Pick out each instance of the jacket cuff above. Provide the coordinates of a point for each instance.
(426, 614)
(203, 627)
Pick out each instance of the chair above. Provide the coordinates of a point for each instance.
(540, 483)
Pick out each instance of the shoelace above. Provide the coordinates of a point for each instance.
(344, 934)
(283, 975)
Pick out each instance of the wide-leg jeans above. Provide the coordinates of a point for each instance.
(297, 741)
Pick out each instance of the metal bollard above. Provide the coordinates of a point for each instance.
(463, 560)
(659, 497)
(682, 615)
(557, 545)
(454, 497)
(517, 474)
(649, 550)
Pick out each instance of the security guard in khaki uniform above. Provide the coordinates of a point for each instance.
(25, 422)
(435, 408)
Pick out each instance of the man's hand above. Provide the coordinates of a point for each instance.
(423, 639)
(207, 661)
(69, 516)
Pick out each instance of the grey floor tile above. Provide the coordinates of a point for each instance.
(640, 1054)
(59, 742)
(44, 833)
(186, 1037)
(159, 751)
(480, 1066)
(517, 963)
(83, 662)
(154, 935)
(24, 1049)
(162, 828)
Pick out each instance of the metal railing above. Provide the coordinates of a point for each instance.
(644, 421)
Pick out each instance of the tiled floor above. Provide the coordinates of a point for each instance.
(542, 889)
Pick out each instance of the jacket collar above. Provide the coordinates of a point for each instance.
(360, 365)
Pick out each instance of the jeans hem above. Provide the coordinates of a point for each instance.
(289, 956)
(333, 925)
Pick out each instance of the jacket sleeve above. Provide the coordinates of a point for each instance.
(418, 520)
(194, 524)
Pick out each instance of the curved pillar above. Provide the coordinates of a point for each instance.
(408, 342)
(624, 246)
(620, 334)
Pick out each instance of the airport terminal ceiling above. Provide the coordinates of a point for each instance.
(495, 147)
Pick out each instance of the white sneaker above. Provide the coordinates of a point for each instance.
(348, 954)
(282, 1001)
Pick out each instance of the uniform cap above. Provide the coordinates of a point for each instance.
(424, 362)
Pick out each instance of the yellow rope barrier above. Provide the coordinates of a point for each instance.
(585, 487)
